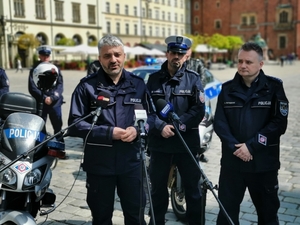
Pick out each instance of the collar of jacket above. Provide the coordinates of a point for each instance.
(104, 81)
(262, 82)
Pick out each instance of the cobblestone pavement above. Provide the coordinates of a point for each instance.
(68, 181)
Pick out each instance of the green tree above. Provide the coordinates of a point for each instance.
(235, 42)
(66, 41)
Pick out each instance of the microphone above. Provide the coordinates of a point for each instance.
(140, 118)
(102, 102)
(166, 110)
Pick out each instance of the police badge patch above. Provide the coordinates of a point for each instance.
(283, 106)
(202, 97)
(262, 139)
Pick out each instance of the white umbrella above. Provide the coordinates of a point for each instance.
(138, 50)
(81, 50)
(155, 51)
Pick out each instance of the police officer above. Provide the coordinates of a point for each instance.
(52, 99)
(197, 65)
(4, 82)
(93, 67)
(111, 158)
(250, 117)
(181, 87)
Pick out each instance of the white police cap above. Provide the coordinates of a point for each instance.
(44, 50)
(178, 43)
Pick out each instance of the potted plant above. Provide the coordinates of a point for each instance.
(81, 65)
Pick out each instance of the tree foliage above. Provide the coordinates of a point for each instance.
(66, 41)
(27, 41)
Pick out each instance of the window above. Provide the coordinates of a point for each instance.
(117, 8)
(143, 13)
(252, 20)
(144, 31)
(181, 18)
(150, 30)
(76, 12)
(157, 14)
(169, 16)
(175, 17)
(283, 17)
(126, 10)
(169, 2)
(169, 31)
(107, 7)
(118, 28)
(163, 15)
(59, 10)
(108, 27)
(175, 3)
(149, 13)
(282, 42)
(91, 14)
(196, 6)
(217, 24)
(196, 20)
(162, 2)
(127, 28)
(40, 9)
(157, 31)
(135, 29)
(19, 8)
(135, 11)
(244, 20)
(163, 32)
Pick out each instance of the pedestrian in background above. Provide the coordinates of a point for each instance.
(4, 82)
(250, 117)
(19, 66)
(111, 150)
(181, 87)
(52, 99)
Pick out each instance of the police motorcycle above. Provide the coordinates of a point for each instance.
(27, 155)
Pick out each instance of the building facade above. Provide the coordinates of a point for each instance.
(277, 22)
(85, 22)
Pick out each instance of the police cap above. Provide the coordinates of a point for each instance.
(178, 43)
(44, 50)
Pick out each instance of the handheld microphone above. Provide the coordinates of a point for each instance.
(140, 118)
(166, 110)
(102, 102)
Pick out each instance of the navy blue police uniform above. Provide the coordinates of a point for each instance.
(4, 82)
(262, 109)
(110, 163)
(55, 93)
(185, 92)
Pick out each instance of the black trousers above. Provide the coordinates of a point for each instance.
(160, 165)
(101, 197)
(263, 189)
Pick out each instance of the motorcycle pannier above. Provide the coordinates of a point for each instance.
(16, 102)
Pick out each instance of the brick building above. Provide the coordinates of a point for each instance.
(276, 21)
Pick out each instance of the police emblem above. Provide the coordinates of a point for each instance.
(202, 97)
(262, 139)
(182, 127)
(283, 106)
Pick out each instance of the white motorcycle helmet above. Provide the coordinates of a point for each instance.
(45, 75)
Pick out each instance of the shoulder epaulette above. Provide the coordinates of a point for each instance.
(274, 78)
(88, 77)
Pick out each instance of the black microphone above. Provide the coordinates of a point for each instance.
(102, 102)
(166, 110)
(140, 118)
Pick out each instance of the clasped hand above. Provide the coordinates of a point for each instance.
(242, 152)
(126, 135)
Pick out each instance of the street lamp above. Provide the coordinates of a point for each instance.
(3, 24)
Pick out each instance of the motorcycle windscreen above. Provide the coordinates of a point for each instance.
(20, 133)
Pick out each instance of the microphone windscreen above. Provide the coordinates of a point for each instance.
(160, 104)
(103, 99)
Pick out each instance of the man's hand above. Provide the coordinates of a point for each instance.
(242, 152)
(129, 135)
(48, 100)
(168, 131)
